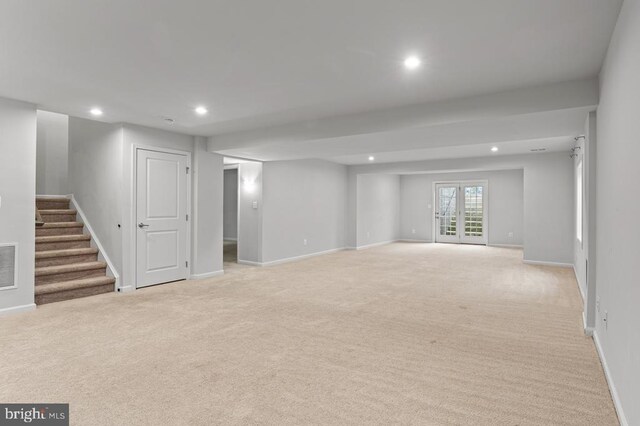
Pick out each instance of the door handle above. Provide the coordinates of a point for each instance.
(142, 225)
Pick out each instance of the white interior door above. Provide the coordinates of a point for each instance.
(461, 212)
(447, 213)
(161, 217)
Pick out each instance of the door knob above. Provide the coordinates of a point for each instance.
(142, 225)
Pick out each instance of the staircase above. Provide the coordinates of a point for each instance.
(67, 267)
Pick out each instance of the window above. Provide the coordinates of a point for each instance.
(579, 201)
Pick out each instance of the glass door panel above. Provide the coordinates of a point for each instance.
(474, 214)
(447, 213)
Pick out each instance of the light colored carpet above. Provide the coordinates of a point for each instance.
(404, 334)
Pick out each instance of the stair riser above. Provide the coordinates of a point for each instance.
(73, 294)
(44, 232)
(63, 245)
(68, 276)
(58, 217)
(66, 260)
(52, 205)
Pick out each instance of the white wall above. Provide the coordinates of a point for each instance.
(303, 200)
(230, 215)
(101, 179)
(52, 154)
(378, 209)
(95, 180)
(17, 197)
(250, 218)
(548, 197)
(618, 208)
(505, 204)
(206, 226)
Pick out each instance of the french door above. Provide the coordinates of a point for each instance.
(461, 212)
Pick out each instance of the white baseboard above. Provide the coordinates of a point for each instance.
(304, 256)
(612, 387)
(17, 309)
(518, 246)
(206, 275)
(291, 259)
(587, 330)
(230, 239)
(111, 270)
(126, 289)
(545, 263)
(382, 243)
(249, 262)
(409, 240)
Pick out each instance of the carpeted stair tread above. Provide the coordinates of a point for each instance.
(53, 198)
(64, 253)
(62, 238)
(58, 211)
(62, 225)
(73, 285)
(72, 267)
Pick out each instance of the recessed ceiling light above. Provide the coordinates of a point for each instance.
(96, 111)
(371, 158)
(201, 110)
(412, 62)
(494, 149)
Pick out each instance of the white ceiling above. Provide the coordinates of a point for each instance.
(264, 63)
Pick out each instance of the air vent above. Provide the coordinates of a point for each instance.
(538, 149)
(8, 265)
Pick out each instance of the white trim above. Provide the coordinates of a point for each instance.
(584, 297)
(612, 387)
(15, 266)
(546, 263)
(485, 210)
(206, 275)
(249, 262)
(409, 240)
(383, 243)
(304, 256)
(518, 246)
(111, 270)
(17, 309)
(134, 204)
(126, 289)
(292, 259)
(587, 330)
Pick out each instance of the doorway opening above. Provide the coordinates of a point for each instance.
(461, 212)
(230, 215)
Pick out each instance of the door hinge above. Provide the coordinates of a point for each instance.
(187, 218)
(186, 263)
(187, 170)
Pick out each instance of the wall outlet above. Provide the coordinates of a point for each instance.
(255, 204)
(304, 241)
(429, 206)
(510, 234)
(605, 319)
(413, 231)
(598, 303)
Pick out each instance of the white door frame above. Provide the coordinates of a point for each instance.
(461, 184)
(134, 205)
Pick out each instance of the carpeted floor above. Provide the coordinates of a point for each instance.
(399, 334)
